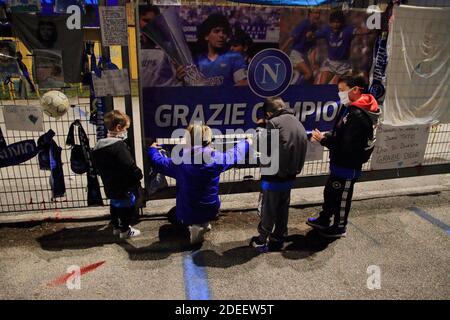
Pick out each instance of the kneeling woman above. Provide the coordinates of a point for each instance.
(198, 174)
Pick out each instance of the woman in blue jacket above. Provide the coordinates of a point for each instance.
(197, 171)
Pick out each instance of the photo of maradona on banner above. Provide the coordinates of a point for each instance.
(217, 64)
(206, 46)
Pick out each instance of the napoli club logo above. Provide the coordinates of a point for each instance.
(377, 89)
(269, 73)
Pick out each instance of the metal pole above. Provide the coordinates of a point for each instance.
(141, 104)
(128, 99)
(109, 101)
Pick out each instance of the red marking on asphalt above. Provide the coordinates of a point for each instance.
(63, 279)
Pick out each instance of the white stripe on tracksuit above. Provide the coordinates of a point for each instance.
(348, 183)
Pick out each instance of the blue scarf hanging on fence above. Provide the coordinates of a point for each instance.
(97, 104)
(16, 153)
(50, 159)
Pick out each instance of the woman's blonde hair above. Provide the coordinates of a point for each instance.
(198, 135)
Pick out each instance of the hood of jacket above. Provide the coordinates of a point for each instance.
(280, 112)
(369, 104)
(103, 143)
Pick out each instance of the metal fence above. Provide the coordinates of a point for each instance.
(437, 154)
(26, 188)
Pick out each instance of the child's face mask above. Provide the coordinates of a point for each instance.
(343, 95)
(120, 135)
(345, 99)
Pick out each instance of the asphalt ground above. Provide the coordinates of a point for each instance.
(397, 247)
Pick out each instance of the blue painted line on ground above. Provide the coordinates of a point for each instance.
(195, 279)
(426, 216)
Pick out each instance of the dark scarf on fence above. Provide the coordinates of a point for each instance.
(50, 159)
(16, 153)
(97, 104)
(94, 194)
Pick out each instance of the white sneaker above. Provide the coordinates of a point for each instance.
(207, 226)
(131, 233)
(197, 233)
(116, 231)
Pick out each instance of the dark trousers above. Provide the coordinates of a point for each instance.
(121, 217)
(274, 214)
(337, 196)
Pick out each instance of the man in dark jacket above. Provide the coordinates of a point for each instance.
(289, 151)
(350, 143)
(120, 175)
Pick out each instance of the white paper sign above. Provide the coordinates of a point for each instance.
(398, 147)
(167, 2)
(112, 83)
(314, 152)
(113, 25)
(27, 118)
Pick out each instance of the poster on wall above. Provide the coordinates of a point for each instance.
(216, 64)
(48, 68)
(399, 147)
(8, 61)
(112, 83)
(113, 26)
(52, 33)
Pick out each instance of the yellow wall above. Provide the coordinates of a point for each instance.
(132, 49)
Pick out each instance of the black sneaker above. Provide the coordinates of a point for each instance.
(261, 246)
(320, 222)
(333, 232)
(275, 245)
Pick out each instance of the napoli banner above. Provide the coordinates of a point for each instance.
(238, 107)
(217, 64)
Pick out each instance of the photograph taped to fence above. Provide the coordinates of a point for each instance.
(27, 118)
(48, 68)
(216, 64)
(8, 61)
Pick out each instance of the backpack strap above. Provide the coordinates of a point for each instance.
(70, 140)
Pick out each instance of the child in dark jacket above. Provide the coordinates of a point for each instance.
(198, 177)
(350, 143)
(120, 175)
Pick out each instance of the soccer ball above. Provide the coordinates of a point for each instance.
(55, 104)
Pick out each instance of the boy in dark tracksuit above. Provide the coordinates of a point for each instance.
(120, 175)
(350, 143)
(276, 187)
